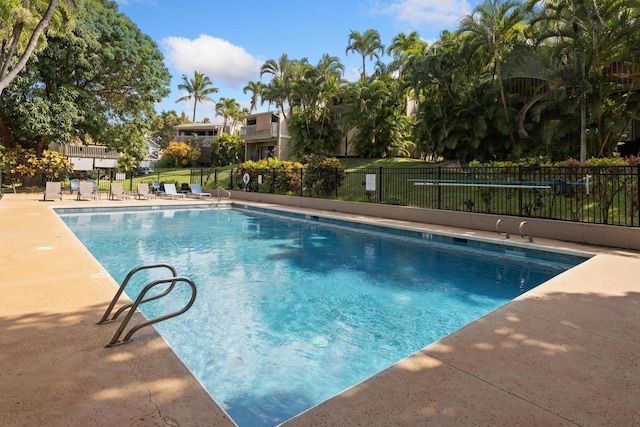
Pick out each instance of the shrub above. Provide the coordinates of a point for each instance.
(324, 175)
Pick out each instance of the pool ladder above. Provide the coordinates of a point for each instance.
(520, 229)
(132, 306)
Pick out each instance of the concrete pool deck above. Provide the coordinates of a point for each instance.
(564, 353)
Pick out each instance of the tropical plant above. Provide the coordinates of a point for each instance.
(374, 110)
(367, 44)
(198, 88)
(256, 93)
(492, 31)
(593, 43)
(228, 109)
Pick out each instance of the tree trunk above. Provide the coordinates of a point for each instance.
(6, 136)
(33, 41)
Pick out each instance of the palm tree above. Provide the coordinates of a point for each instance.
(227, 108)
(199, 88)
(256, 91)
(367, 45)
(588, 38)
(494, 28)
(403, 46)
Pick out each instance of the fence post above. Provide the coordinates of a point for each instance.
(439, 187)
(380, 185)
(520, 190)
(336, 182)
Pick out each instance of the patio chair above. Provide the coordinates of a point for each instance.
(171, 192)
(117, 192)
(155, 187)
(52, 191)
(86, 191)
(143, 191)
(75, 185)
(196, 192)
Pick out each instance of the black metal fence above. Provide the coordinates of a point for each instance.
(598, 195)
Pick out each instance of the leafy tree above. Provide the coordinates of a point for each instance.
(179, 154)
(23, 26)
(127, 163)
(199, 88)
(367, 44)
(98, 83)
(162, 127)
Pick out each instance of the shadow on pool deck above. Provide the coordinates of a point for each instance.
(565, 353)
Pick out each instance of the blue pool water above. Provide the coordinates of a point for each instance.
(292, 310)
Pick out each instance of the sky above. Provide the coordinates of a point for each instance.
(229, 41)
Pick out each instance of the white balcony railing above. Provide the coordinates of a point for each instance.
(88, 151)
(250, 132)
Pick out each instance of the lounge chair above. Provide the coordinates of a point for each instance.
(196, 191)
(171, 192)
(75, 185)
(143, 191)
(86, 191)
(52, 191)
(117, 192)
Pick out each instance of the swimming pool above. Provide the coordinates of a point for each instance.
(293, 309)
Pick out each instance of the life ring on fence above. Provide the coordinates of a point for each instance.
(246, 178)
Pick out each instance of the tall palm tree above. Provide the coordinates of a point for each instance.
(494, 28)
(367, 45)
(199, 88)
(256, 91)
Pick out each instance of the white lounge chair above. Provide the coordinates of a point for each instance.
(86, 191)
(52, 191)
(117, 192)
(171, 192)
(196, 191)
(143, 191)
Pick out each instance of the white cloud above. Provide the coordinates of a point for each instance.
(419, 13)
(218, 59)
